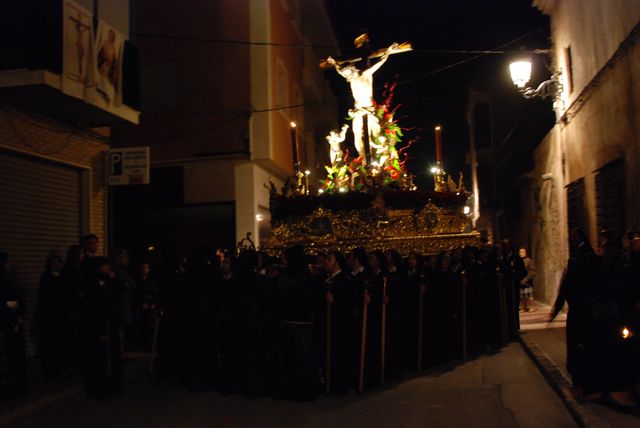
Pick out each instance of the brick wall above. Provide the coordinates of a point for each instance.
(44, 138)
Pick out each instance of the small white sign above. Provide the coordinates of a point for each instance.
(129, 165)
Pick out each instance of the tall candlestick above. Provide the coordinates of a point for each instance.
(294, 147)
(438, 144)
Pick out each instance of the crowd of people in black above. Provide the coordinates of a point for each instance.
(602, 290)
(296, 326)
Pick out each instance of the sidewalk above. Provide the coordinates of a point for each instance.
(546, 345)
(42, 393)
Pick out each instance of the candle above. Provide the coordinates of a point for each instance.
(438, 144)
(294, 147)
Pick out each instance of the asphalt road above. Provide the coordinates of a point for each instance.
(500, 390)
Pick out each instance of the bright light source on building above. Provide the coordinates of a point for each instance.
(320, 191)
(435, 170)
(259, 217)
(293, 124)
(307, 172)
(520, 72)
(342, 190)
(466, 210)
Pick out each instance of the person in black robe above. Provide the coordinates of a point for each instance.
(174, 308)
(13, 365)
(147, 312)
(259, 295)
(468, 277)
(630, 306)
(341, 296)
(487, 299)
(514, 271)
(411, 281)
(53, 312)
(202, 298)
(579, 287)
(394, 305)
(377, 296)
(75, 283)
(299, 369)
(101, 334)
(236, 307)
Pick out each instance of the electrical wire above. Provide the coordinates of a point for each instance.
(478, 54)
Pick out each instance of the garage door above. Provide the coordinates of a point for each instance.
(40, 213)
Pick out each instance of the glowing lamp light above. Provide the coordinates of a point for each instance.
(320, 191)
(435, 170)
(466, 210)
(307, 172)
(151, 248)
(342, 190)
(259, 217)
(520, 72)
(293, 124)
(626, 333)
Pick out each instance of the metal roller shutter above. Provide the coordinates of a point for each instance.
(40, 213)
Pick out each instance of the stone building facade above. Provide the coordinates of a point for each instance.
(587, 169)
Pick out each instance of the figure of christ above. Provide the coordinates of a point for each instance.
(81, 28)
(334, 139)
(361, 83)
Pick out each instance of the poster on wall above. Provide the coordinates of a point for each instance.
(108, 52)
(77, 49)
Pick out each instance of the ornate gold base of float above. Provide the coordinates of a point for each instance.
(428, 229)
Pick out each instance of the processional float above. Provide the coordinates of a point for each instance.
(370, 200)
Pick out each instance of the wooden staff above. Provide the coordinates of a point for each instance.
(328, 346)
(363, 338)
(420, 322)
(383, 329)
(154, 344)
(503, 306)
(109, 358)
(465, 283)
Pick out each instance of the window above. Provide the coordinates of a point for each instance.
(610, 191)
(576, 217)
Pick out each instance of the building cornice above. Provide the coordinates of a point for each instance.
(545, 6)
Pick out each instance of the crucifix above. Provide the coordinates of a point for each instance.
(364, 122)
(81, 28)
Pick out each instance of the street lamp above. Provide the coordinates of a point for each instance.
(521, 73)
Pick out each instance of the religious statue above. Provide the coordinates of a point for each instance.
(334, 139)
(361, 82)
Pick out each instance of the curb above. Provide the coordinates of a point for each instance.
(583, 416)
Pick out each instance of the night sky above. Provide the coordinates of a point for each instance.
(432, 87)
